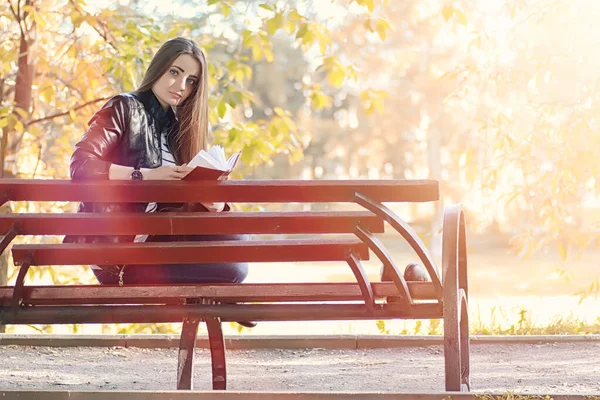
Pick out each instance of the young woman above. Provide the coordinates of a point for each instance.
(151, 134)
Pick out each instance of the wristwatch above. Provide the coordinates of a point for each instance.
(137, 175)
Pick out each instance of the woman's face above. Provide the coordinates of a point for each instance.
(180, 80)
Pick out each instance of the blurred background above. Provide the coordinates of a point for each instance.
(496, 99)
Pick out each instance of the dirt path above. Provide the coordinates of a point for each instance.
(534, 368)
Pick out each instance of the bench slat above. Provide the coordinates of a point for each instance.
(288, 250)
(254, 292)
(226, 312)
(191, 223)
(250, 191)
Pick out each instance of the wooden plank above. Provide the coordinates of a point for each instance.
(192, 223)
(286, 250)
(252, 191)
(227, 312)
(173, 294)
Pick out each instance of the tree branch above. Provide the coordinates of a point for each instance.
(17, 15)
(39, 159)
(62, 114)
(104, 33)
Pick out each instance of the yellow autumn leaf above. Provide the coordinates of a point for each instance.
(562, 250)
(225, 9)
(267, 7)
(449, 11)
(19, 126)
(22, 113)
(320, 100)
(290, 26)
(222, 109)
(268, 54)
(383, 26)
(336, 76)
(370, 4)
(273, 24)
(257, 52)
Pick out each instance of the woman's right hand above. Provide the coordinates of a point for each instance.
(166, 172)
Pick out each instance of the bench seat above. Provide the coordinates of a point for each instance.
(282, 250)
(169, 223)
(174, 294)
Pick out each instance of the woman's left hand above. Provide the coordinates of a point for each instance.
(214, 207)
(219, 206)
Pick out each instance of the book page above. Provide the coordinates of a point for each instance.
(218, 154)
(233, 160)
(202, 159)
(213, 159)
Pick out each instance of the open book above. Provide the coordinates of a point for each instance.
(211, 164)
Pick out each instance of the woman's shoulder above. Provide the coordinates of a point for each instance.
(123, 99)
(122, 105)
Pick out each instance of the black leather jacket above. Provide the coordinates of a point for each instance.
(125, 131)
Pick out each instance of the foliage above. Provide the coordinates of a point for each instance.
(83, 56)
(77, 57)
(496, 100)
(536, 121)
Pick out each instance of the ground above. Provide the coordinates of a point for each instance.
(520, 368)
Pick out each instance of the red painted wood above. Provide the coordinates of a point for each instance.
(226, 312)
(191, 223)
(269, 292)
(286, 250)
(174, 294)
(262, 191)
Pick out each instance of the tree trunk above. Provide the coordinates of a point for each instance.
(24, 81)
(23, 84)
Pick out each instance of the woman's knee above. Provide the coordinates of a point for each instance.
(232, 272)
(105, 276)
(208, 273)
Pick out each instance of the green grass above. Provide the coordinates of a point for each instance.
(500, 324)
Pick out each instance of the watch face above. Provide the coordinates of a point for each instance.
(137, 175)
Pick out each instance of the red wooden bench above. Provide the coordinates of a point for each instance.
(216, 303)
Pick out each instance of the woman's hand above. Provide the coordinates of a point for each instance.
(166, 172)
(216, 207)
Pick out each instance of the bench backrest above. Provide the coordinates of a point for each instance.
(276, 191)
(369, 194)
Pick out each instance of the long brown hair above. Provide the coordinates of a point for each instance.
(193, 112)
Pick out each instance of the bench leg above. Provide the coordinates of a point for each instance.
(20, 284)
(217, 353)
(455, 298)
(187, 344)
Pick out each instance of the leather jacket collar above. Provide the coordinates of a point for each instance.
(154, 108)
